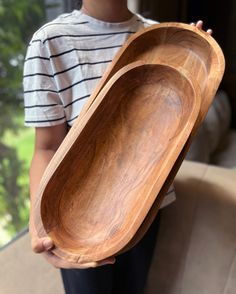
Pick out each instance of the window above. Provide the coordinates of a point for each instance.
(19, 19)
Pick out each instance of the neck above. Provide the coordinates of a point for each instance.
(107, 10)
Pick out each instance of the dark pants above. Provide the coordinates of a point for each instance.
(127, 276)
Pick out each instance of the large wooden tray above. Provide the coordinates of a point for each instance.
(95, 196)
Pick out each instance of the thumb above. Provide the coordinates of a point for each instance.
(41, 245)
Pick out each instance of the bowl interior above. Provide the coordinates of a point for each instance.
(179, 45)
(102, 190)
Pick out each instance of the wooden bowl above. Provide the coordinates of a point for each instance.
(97, 190)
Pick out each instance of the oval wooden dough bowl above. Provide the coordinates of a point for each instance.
(102, 190)
(98, 195)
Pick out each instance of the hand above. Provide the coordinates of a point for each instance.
(199, 25)
(57, 262)
(45, 245)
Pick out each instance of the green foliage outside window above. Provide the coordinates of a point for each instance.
(19, 19)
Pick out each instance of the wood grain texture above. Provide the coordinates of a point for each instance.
(208, 90)
(198, 60)
(101, 192)
(183, 46)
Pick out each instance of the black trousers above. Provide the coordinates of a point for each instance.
(127, 276)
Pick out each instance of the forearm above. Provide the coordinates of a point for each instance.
(39, 163)
(47, 141)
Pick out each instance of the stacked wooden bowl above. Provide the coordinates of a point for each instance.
(104, 186)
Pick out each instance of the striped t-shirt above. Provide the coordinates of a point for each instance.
(65, 60)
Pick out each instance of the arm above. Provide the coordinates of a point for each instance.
(47, 141)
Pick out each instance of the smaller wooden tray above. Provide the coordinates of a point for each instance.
(94, 197)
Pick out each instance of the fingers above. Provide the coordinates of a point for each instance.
(110, 260)
(44, 246)
(41, 245)
(209, 31)
(60, 263)
(55, 261)
(199, 25)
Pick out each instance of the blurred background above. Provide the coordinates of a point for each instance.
(19, 19)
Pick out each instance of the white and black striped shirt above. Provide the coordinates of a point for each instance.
(65, 60)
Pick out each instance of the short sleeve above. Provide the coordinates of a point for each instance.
(43, 106)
